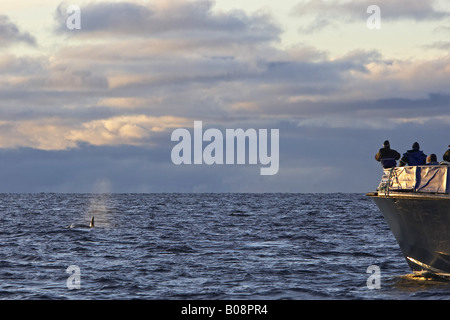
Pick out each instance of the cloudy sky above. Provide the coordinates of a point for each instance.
(93, 109)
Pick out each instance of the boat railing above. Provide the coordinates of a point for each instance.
(422, 179)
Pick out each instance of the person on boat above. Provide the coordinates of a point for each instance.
(387, 156)
(432, 160)
(413, 157)
(446, 158)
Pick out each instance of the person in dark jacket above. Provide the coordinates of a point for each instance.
(387, 156)
(414, 157)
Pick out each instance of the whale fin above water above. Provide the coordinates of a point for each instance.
(82, 226)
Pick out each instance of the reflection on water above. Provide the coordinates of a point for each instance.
(420, 281)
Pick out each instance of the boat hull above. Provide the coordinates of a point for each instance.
(421, 226)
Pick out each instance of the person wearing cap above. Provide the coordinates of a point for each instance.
(432, 160)
(413, 157)
(387, 156)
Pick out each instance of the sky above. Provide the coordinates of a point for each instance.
(93, 109)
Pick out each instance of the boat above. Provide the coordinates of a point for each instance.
(415, 202)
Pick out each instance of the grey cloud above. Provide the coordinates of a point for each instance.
(434, 104)
(382, 114)
(327, 13)
(47, 89)
(211, 88)
(442, 29)
(259, 83)
(10, 33)
(122, 17)
(67, 77)
(323, 72)
(13, 65)
(203, 86)
(440, 45)
(178, 19)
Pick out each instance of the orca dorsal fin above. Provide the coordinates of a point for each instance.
(91, 225)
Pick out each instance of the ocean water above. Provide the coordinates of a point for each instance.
(202, 247)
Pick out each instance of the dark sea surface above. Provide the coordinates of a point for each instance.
(202, 247)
